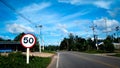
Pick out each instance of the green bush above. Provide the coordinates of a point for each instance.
(109, 47)
(100, 51)
(18, 60)
(117, 55)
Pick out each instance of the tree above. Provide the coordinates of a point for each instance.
(1, 39)
(34, 48)
(18, 37)
(117, 40)
(90, 44)
(64, 44)
(68, 43)
(51, 48)
(73, 43)
(80, 43)
(109, 47)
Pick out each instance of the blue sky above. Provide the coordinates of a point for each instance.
(59, 18)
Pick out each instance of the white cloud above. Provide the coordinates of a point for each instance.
(48, 19)
(114, 12)
(34, 7)
(74, 15)
(37, 13)
(105, 24)
(19, 20)
(62, 27)
(4, 37)
(76, 2)
(82, 22)
(18, 28)
(103, 4)
(54, 34)
(99, 3)
(111, 13)
(78, 27)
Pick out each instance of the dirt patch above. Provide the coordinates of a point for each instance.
(34, 54)
(40, 54)
(4, 54)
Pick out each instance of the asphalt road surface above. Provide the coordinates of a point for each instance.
(84, 60)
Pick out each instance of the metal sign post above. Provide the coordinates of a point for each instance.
(27, 59)
(28, 41)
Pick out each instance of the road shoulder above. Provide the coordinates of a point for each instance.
(53, 62)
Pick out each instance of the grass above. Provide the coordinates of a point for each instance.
(100, 52)
(18, 60)
(117, 55)
(94, 51)
(47, 51)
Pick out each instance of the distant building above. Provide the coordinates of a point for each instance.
(100, 43)
(116, 45)
(9, 46)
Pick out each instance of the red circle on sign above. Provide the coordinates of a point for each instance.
(28, 45)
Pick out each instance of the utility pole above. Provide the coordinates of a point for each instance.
(39, 26)
(42, 44)
(94, 36)
(105, 20)
(117, 29)
(93, 29)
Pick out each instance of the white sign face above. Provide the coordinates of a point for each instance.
(28, 40)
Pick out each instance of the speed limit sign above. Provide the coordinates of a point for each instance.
(28, 40)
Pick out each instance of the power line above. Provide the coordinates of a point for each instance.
(13, 9)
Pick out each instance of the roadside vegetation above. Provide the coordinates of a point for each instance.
(94, 51)
(76, 43)
(71, 43)
(117, 55)
(18, 60)
(51, 49)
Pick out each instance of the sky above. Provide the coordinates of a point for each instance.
(59, 18)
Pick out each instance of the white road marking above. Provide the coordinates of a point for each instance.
(57, 64)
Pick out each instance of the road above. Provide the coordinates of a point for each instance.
(84, 60)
